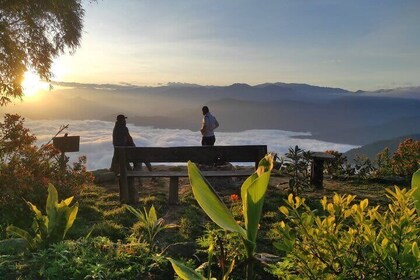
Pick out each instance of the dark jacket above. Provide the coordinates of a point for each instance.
(120, 135)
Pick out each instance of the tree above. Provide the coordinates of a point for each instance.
(32, 34)
(406, 159)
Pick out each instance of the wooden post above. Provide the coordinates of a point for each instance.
(173, 190)
(317, 173)
(124, 196)
(317, 168)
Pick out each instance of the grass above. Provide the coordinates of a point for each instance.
(102, 215)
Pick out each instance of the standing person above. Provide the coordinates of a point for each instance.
(208, 126)
(121, 137)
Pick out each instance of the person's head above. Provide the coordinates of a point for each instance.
(121, 118)
(205, 110)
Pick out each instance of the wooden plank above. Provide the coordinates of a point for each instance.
(247, 153)
(221, 173)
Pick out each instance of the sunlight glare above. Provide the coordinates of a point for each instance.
(32, 84)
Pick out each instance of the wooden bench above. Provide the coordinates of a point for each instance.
(197, 154)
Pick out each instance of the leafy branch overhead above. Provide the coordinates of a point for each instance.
(32, 34)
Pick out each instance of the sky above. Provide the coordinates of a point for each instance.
(96, 139)
(354, 44)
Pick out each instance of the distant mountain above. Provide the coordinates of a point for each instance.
(330, 114)
(371, 150)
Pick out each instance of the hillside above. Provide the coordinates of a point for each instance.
(371, 150)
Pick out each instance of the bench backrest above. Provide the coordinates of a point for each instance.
(247, 153)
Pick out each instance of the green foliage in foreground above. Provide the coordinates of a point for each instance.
(415, 183)
(50, 228)
(252, 193)
(350, 240)
(87, 258)
(150, 223)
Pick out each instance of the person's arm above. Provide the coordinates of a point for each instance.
(204, 125)
(216, 123)
(129, 139)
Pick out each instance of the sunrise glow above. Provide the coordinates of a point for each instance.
(32, 84)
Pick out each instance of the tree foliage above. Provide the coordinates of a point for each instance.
(26, 171)
(406, 160)
(32, 33)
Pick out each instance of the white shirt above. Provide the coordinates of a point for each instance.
(209, 124)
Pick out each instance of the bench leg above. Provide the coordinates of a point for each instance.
(173, 190)
(123, 184)
(133, 193)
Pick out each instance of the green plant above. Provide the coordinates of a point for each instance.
(51, 228)
(297, 166)
(150, 222)
(383, 163)
(363, 167)
(224, 249)
(349, 240)
(87, 258)
(252, 194)
(337, 166)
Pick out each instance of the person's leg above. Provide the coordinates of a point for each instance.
(208, 141)
(149, 166)
(211, 141)
(203, 141)
(137, 166)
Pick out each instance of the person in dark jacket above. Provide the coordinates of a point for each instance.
(121, 137)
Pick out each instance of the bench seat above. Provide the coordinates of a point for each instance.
(200, 154)
(212, 173)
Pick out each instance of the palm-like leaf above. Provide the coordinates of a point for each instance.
(18, 232)
(210, 202)
(185, 272)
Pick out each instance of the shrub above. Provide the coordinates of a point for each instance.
(406, 160)
(26, 170)
(363, 167)
(350, 241)
(336, 166)
(383, 163)
(297, 164)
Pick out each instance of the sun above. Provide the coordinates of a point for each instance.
(32, 84)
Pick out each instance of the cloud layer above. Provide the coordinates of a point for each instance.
(96, 139)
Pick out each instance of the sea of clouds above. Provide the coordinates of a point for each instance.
(96, 139)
